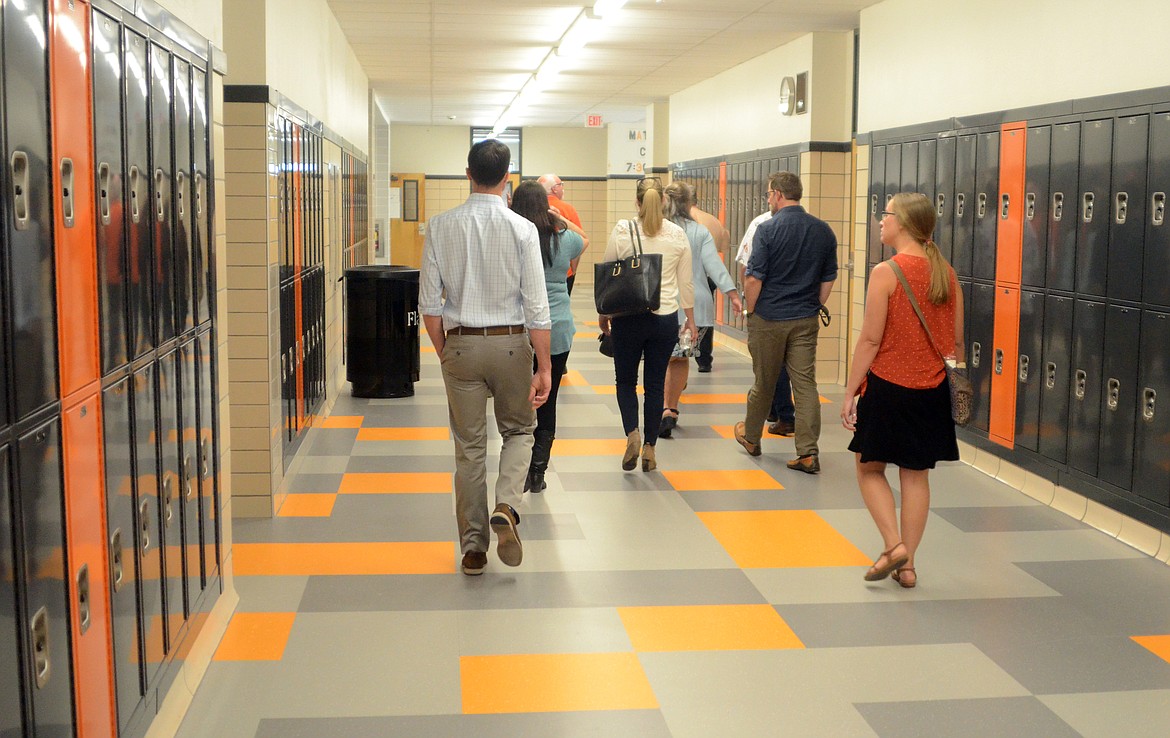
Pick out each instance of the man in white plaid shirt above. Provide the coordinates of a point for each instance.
(494, 319)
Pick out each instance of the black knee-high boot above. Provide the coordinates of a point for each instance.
(541, 448)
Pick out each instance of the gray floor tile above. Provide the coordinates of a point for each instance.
(1009, 518)
(310, 482)
(640, 723)
(329, 441)
(387, 463)
(1130, 596)
(270, 594)
(1138, 714)
(1004, 717)
(618, 480)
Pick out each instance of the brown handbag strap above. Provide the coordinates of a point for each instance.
(914, 304)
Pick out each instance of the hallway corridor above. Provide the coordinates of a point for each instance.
(719, 596)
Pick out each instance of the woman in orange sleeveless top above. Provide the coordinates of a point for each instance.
(897, 399)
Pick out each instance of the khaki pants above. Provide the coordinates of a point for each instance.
(475, 367)
(774, 344)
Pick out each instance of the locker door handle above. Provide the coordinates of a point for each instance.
(181, 193)
(169, 511)
(1158, 207)
(999, 361)
(104, 192)
(160, 210)
(135, 191)
(188, 492)
(204, 459)
(976, 354)
(981, 212)
(1079, 383)
(117, 567)
(960, 204)
(1057, 205)
(144, 526)
(83, 598)
(1087, 207)
(940, 204)
(1030, 206)
(67, 191)
(1024, 362)
(1120, 206)
(1113, 396)
(1149, 397)
(20, 209)
(41, 647)
(1050, 375)
(873, 206)
(1004, 205)
(199, 194)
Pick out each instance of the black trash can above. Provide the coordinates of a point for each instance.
(381, 326)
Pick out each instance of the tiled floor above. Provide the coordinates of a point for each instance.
(719, 596)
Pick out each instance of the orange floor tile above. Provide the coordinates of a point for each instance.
(714, 399)
(307, 506)
(435, 433)
(773, 539)
(574, 378)
(315, 559)
(426, 349)
(395, 483)
(589, 447)
(554, 683)
(1159, 645)
(707, 628)
(686, 481)
(728, 431)
(256, 636)
(341, 421)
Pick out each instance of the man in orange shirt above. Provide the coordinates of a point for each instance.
(556, 189)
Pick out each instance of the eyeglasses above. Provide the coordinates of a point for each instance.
(650, 180)
(889, 212)
(769, 193)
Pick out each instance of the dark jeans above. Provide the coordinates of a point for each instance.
(635, 337)
(707, 343)
(782, 407)
(546, 414)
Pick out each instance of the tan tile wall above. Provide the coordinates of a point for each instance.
(860, 221)
(226, 416)
(827, 178)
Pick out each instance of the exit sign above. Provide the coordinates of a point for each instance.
(593, 121)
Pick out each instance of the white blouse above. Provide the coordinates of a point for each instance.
(678, 289)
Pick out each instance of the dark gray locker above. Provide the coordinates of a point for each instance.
(1054, 388)
(1034, 262)
(1156, 287)
(149, 518)
(1151, 471)
(981, 354)
(877, 202)
(1085, 392)
(201, 229)
(1127, 228)
(182, 187)
(964, 205)
(1064, 206)
(893, 172)
(162, 191)
(172, 498)
(139, 218)
(1093, 207)
(189, 475)
(1119, 395)
(944, 196)
(39, 495)
(908, 180)
(110, 230)
(927, 157)
(208, 482)
(122, 537)
(986, 206)
(11, 705)
(284, 190)
(1029, 369)
(28, 218)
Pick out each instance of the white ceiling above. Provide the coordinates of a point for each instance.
(429, 60)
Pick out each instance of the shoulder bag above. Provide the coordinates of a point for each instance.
(961, 390)
(629, 286)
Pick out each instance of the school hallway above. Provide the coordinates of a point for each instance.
(720, 595)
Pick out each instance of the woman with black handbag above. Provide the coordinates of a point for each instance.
(898, 399)
(649, 334)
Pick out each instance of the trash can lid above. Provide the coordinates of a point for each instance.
(383, 271)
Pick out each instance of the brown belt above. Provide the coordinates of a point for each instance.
(491, 330)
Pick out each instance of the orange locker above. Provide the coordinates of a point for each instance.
(722, 193)
(1009, 236)
(1002, 426)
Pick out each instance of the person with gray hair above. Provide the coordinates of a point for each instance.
(555, 188)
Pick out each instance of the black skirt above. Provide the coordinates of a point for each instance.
(911, 428)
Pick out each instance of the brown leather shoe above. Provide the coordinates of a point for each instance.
(474, 563)
(633, 446)
(503, 521)
(782, 428)
(807, 464)
(753, 449)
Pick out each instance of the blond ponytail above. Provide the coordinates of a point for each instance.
(650, 211)
(940, 274)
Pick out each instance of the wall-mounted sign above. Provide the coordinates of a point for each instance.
(593, 121)
(629, 150)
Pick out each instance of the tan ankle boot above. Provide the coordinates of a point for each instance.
(649, 463)
(633, 442)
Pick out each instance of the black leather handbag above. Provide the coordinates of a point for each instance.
(628, 286)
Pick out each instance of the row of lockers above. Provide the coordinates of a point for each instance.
(354, 202)
(300, 198)
(302, 358)
(1094, 201)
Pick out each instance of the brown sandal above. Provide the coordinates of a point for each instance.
(877, 573)
(906, 584)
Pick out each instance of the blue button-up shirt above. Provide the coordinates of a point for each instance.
(792, 254)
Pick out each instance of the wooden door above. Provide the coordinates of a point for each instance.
(407, 231)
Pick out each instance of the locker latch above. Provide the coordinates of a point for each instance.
(1004, 203)
(1149, 397)
(1024, 368)
(940, 204)
(19, 166)
(999, 361)
(1030, 206)
(42, 657)
(982, 210)
(169, 512)
(135, 190)
(188, 491)
(1113, 393)
(1159, 208)
(1079, 383)
(960, 203)
(160, 210)
(181, 193)
(199, 194)
(204, 459)
(83, 598)
(1057, 205)
(976, 352)
(1050, 375)
(144, 526)
(1120, 207)
(67, 191)
(1087, 207)
(104, 192)
(117, 568)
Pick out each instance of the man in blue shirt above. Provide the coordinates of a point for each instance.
(790, 275)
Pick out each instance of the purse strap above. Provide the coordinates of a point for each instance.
(634, 233)
(914, 304)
